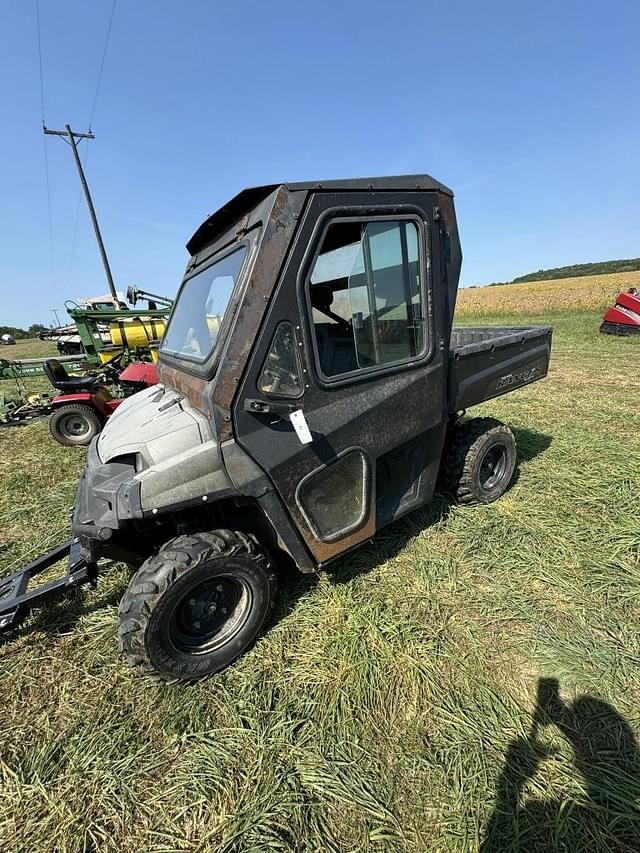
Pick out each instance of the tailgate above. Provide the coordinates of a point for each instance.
(487, 362)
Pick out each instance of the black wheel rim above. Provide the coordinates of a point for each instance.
(75, 426)
(493, 466)
(210, 614)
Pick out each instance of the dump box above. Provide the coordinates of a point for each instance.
(485, 362)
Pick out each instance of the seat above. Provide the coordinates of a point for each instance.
(60, 379)
(336, 346)
(322, 300)
(336, 349)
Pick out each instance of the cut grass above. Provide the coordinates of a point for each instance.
(28, 348)
(390, 705)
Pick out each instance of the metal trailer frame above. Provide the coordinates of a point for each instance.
(16, 600)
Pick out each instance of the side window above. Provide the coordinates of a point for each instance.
(281, 373)
(367, 296)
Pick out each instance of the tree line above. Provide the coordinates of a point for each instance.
(21, 334)
(598, 268)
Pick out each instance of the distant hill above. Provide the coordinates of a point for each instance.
(599, 268)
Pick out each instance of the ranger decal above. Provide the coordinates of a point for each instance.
(518, 378)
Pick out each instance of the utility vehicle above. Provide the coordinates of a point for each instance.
(110, 348)
(311, 390)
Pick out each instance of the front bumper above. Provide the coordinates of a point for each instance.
(107, 501)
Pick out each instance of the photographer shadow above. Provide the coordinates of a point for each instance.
(606, 754)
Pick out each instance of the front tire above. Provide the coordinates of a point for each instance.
(479, 462)
(196, 606)
(74, 425)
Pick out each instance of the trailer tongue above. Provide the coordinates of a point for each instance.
(16, 600)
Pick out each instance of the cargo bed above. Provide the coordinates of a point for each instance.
(487, 361)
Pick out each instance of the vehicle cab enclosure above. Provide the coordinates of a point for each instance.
(307, 378)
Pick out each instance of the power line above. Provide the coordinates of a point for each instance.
(50, 218)
(40, 61)
(44, 144)
(104, 56)
(86, 150)
(72, 141)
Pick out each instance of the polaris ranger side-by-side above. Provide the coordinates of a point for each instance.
(311, 391)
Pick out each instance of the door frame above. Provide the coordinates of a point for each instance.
(400, 213)
(293, 305)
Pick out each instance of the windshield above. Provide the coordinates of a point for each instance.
(197, 315)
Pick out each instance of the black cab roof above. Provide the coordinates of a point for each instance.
(248, 198)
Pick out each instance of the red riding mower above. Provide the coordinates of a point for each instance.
(85, 402)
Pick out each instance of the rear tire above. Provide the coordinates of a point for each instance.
(196, 606)
(74, 425)
(480, 459)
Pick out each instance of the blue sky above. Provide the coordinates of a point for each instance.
(530, 112)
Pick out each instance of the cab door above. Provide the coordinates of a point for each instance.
(342, 404)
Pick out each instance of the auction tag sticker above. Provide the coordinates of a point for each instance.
(301, 426)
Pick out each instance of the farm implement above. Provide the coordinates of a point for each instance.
(311, 391)
(108, 330)
(96, 330)
(119, 348)
(23, 406)
(624, 317)
(83, 403)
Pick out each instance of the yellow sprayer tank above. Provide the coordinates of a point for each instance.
(136, 332)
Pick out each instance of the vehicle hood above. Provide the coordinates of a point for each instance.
(172, 448)
(156, 423)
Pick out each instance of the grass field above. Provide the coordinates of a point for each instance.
(29, 348)
(402, 702)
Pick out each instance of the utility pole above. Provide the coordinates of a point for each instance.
(55, 311)
(70, 136)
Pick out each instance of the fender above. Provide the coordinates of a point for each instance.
(140, 372)
(102, 401)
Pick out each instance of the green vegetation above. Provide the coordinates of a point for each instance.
(598, 268)
(390, 706)
(21, 334)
